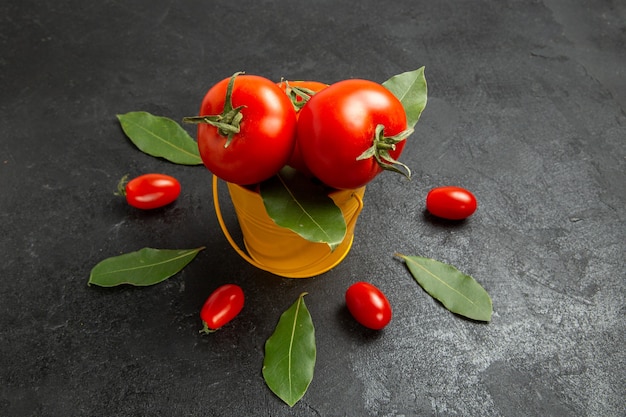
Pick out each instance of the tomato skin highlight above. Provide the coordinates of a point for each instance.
(338, 124)
(368, 305)
(223, 305)
(150, 191)
(267, 131)
(452, 203)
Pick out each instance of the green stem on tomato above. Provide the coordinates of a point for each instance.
(229, 121)
(295, 93)
(206, 330)
(121, 186)
(381, 147)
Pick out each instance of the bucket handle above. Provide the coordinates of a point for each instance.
(229, 238)
(235, 246)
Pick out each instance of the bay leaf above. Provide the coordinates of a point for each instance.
(160, 137)
(290, 354)
(411, 89)
(458, 292)
(293, 201)
(144, 267)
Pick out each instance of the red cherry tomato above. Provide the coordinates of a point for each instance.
(339, 124)
(151, 191)
(221, 307)
(368, 305)
(452, 203)
(266, 135)
(309, 88)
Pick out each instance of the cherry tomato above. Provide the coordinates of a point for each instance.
(340, 123)
(221, 307)
(452, 203)
(368, 305)
(150, 191)
(309, 88)
(266, 129)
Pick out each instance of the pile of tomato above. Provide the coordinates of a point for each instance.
(343, 134)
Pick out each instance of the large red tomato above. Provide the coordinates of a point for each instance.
(340, 123)
(257, 134)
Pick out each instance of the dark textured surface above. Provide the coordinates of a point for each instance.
(526, 110)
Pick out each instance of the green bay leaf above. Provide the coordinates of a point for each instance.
(411, 89)
(290, 354)
(160, 137)
(293, 201)
(459, 293)
(144, 267)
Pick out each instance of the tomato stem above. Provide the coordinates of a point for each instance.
(381, 147)
(206, 329)
(121, 186)
(229, 121)
(299, 96)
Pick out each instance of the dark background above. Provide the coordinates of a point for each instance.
(526, 110)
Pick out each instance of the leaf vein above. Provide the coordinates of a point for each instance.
(293, 334)
(162, 139)
(306, 213)
(442, 281)
(147, 265)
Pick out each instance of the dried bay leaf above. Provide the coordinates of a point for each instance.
(294, 202)
(160, 137)
(290, 354)
(459, 293)
(144, 267)
(411, 89)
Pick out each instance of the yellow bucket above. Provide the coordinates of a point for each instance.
(279, 250)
